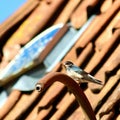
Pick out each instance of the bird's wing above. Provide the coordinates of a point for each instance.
(83, 73)
(86, 75)
(79, 71)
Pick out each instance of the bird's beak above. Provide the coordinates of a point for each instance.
(63, 65)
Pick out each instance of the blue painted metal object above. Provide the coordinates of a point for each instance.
(29, 53)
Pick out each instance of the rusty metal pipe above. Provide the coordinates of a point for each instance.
(73, 86)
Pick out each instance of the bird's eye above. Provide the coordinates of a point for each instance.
(69, 63)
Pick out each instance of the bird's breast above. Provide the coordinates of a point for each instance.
(74, 75)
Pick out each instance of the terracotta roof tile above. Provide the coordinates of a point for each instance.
(96, 51)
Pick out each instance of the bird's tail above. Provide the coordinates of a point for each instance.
(98, 82)
(93, 79)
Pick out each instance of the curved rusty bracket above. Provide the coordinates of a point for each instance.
(74, 88)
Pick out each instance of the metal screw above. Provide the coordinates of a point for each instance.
(39, 87)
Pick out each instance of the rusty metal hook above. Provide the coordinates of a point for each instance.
(73, 86)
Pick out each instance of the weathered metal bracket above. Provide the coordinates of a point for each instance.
(74, 88)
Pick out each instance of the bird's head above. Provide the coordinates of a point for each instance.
(67, 64)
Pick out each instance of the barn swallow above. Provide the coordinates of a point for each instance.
(78, 74)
